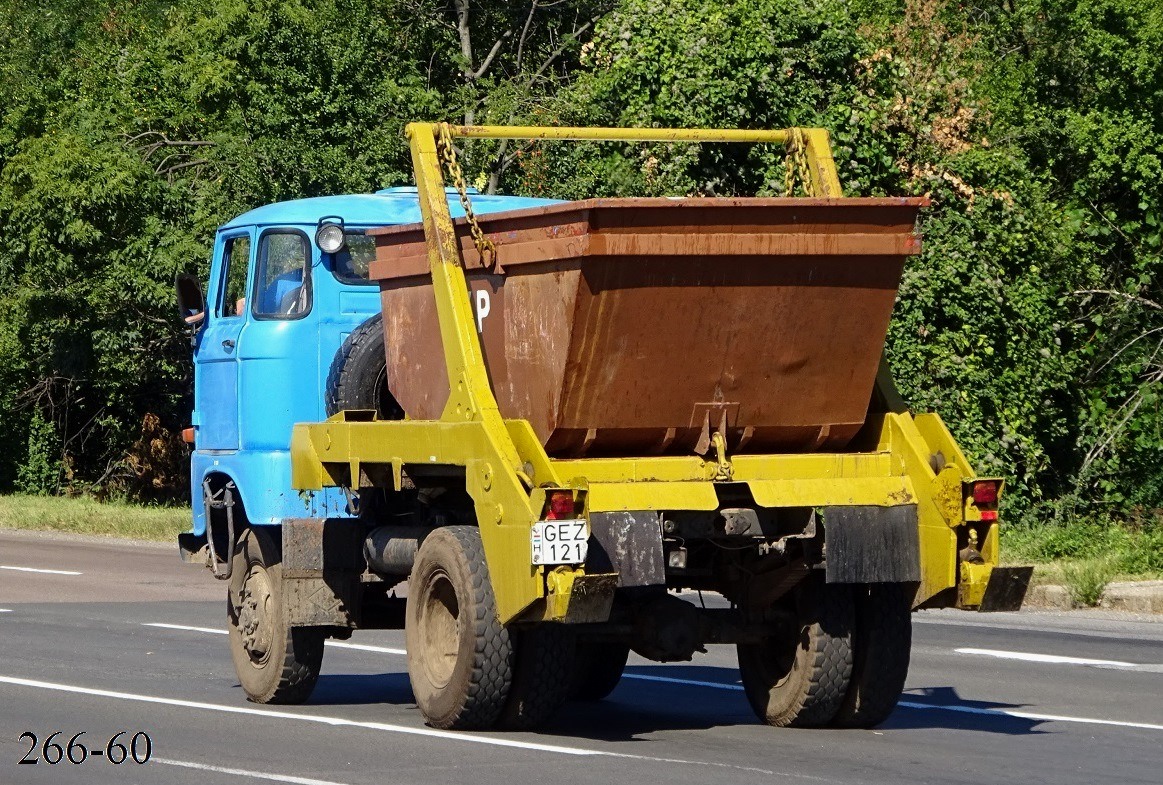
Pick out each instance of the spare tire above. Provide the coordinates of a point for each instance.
(358, 378)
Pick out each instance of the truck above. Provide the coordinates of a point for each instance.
(528, 432)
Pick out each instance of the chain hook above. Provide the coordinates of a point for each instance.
(484, 246)
(796, 167)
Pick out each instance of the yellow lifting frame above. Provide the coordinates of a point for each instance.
(507, 469)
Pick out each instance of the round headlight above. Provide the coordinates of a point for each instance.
(329, 237)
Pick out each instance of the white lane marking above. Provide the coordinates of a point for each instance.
(258, 775)
(183, 627)
(335, 644)
(286, 715)
(34, 569)
(738, 688)
(1054, 659)
(5, 610)
(385, 650)
(365, 647)
(1028, 715)
(714, 684)
(320, 719)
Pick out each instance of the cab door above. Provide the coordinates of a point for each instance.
(216, 405)
(280, 380)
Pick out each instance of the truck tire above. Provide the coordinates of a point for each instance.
(597, 670)
(882, 642)
(543, 668)
(800, 678)
(358, 378)
(460, 656)
(275, 663)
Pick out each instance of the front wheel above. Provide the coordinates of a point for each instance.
(275, 663)
(799, 677)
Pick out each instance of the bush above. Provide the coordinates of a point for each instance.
(1087, 580)
(1033, 321)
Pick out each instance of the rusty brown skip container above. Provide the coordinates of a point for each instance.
(631, 326)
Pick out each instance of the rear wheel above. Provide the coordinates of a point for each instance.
(882, 640)
(542, 675)
(275, 663)
(800, 676)
(460, 656)
(597, 670)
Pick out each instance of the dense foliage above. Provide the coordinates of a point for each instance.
(1033, 322)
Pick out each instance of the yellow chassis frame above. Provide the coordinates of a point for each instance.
(507, 469)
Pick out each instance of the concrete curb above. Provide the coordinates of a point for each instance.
(1133, 596)
(1140, 597)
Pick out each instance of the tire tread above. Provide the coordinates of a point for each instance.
(346, 386)
(302, 646)
(882, 641)
(542, 675)
(486, 685)
(812, 697)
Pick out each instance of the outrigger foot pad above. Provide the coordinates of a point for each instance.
(1006, 589)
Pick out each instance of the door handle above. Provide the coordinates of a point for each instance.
(228, 345)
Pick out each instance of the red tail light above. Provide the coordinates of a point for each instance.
(560, 506)
(985, 492)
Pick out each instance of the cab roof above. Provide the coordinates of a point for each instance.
(387, 207)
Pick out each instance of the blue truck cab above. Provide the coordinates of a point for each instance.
(277, 309)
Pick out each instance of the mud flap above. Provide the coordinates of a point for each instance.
(1006, 589)
(322, 562)
(868, 544)
(629, 544)
(193, 549)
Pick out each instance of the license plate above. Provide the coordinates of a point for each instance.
(560, 542)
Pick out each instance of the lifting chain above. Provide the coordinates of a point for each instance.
(796, 167)
(484, 246)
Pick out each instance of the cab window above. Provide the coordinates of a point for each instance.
(283, 280)
(235, 260)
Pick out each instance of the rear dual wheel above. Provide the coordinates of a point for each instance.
(543, 668)
(882, 640)
(469, 671)
(799, 677)
(842, 662)
(598, 669)
(460, 656)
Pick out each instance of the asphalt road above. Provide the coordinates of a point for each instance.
(129, 639)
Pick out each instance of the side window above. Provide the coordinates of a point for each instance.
(351, 263)
(235, 259)
(283, 283)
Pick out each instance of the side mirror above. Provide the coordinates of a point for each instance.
(191, 302)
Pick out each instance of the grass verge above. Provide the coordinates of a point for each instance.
(87, 516)
(1086, 555)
